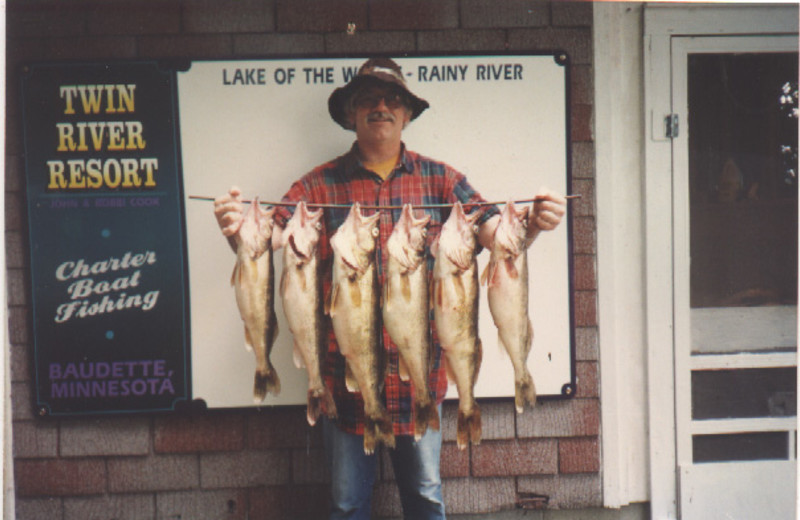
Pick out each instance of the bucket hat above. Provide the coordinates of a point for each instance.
(378, 71)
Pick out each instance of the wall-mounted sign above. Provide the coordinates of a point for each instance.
(106, 237)
(501, 120)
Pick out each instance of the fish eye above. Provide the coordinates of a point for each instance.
(475, 228)
(375, 232)
(318, 226)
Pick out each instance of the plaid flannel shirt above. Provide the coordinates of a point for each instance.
(417, 180)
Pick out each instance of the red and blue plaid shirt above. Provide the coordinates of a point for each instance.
(417, 180)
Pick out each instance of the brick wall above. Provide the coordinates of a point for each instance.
(269, 463)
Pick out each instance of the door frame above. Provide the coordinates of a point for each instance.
(731, 481)
(661, 24)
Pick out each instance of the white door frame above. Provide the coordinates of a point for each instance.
(661, 23)
(723, 488)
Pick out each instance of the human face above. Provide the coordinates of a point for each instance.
(379, 115)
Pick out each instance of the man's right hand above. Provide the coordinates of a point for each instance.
(228, 209)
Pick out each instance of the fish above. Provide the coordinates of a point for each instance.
(355, 315)
(455, 306)
(253, 280)
(507, 291)
(406, 312)
(301, 294)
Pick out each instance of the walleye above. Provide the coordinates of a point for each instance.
(406, 312)
(507, 276)
(455, 305)
(355, 315)
(302, 304)
(253, 281)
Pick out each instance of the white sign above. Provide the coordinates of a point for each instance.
(260, 125)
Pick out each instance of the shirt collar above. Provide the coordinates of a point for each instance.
(353, 163)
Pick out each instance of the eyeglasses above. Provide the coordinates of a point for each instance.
(393, 100)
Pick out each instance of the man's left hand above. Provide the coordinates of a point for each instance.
(547, 213)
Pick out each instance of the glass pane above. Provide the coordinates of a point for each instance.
(741, 446)
(743, 181)
(754, 392)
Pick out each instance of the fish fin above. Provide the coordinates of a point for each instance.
(426, 415)
(475, 426)
(355, 294)
(386, 295)
(385, 431)
(350, 379)
(370, 440)
(378, 426)
(297, 357)
(468, 427)
(264, 383)
(511, 269)
(330, 303)
(248, 342)
(403, 369)
(405, 284)
(485, 273)
(525, 391)
(259, 388)
(273, 381)
(328, 404)
(495, 279)
(313, 408)
(320, 401)
(234, 274)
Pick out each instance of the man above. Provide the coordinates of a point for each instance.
(378, 170)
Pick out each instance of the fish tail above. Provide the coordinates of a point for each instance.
(469, 427)
(370, 441)
(320, 401)
(313, 408)
(378, 428)
(265, 383)
(426, 415)
(328, 404)
(525, 392)
(384, 430)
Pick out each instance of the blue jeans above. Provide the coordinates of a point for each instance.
(416, 470)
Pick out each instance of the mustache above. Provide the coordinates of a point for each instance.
(380, 115)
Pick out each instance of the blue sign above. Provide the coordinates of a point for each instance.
(108, 262)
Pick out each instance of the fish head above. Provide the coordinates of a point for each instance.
(415, 228)
(303, 230)
(510, 234)
(412, 230)
(354, 241)
(459, 236)
(407, 241)
(366, 228)
(255, 232)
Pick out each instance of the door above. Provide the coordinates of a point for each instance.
(734, 157)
